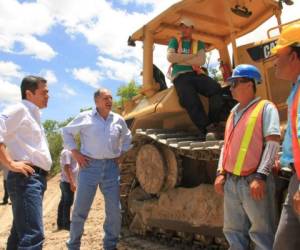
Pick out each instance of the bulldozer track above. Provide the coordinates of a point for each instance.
(182, 144)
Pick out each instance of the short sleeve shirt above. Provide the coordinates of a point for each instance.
(271, 122)
(66, 158)
(287, 150)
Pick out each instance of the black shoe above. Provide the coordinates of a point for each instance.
(4, 202)
(202, 135)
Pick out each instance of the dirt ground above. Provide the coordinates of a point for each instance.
(92, 238)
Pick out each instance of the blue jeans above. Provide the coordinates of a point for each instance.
(26, 194)
(288, 231)
(64, 207)
(105, 174)
(246, 219)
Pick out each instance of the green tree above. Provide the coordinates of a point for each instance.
(52, 130)
(55, 141)
(126, 92)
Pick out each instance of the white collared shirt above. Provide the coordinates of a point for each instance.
(99, 138)
(66, 158)
(23, 134)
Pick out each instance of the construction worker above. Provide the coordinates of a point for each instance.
(244, 176)
(186, 56)
(287, 65)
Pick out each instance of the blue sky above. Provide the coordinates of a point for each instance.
(78, 47)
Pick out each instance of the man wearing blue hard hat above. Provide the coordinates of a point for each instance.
(244, 174)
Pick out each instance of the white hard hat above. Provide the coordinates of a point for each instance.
(187, 22)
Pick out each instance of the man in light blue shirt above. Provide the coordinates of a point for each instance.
(287, 152)
(104, 137)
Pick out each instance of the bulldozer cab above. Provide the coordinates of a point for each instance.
(217, 23)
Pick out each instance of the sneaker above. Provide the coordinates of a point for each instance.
(217, 129)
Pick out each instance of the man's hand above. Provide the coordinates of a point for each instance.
(257, 189)
(296, 202)
(219, 184)
(22, 167)
(80, 158)
(73, 187)
(119, 160)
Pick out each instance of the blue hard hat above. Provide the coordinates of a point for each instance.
(246, 71)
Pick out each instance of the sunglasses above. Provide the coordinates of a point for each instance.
(235, 82)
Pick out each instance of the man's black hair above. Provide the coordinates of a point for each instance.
(297, 50)
(30, 83)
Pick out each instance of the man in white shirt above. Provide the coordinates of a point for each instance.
(28, 159)
(104, 137)
(69, 172)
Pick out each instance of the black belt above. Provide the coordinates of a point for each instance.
(287, 172)
(40, 171)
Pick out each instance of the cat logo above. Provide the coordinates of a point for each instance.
(262, 51)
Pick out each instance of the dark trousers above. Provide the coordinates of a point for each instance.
(188, 86)
(6, 196)
(288, 231)
(64, 207)
(26, 194)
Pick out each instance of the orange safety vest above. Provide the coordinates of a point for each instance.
(243, 143)
(294, 126)
(193, 50)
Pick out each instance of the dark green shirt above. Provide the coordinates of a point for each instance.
(186, 48)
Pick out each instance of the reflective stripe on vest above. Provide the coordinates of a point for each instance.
(193, 50)
(235, 163)
(294, 127)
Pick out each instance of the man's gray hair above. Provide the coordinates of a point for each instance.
(98, 92)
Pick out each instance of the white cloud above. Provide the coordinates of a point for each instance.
(24, 18)
(26, 21)
(87, 76)
(50, 76)
(117, 70)
(10, 92)
(68, 91)
(36, 48)
(9, 69)
(104, 26)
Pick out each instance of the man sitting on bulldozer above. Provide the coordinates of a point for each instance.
(186, 56)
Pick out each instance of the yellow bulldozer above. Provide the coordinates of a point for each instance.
(167, 177)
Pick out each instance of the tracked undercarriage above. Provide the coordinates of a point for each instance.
(166, 187)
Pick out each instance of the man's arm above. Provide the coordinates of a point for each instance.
(186, 59)
(10, 121)
(69, 132)
(221, 178)
(271, 132)
(198, 59)
(14, 166)
(125, 138)
(296, 198)
(68, 171)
